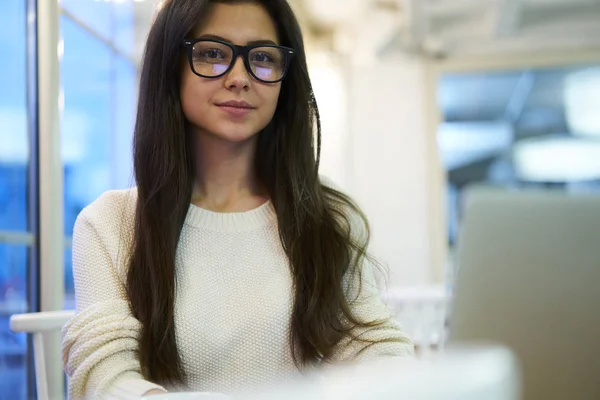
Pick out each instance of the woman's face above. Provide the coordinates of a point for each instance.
(203, 99)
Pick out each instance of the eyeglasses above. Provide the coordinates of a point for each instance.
(211, 58)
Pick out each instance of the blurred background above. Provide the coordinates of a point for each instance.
(419, 99)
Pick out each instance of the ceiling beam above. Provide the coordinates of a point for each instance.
(523, 44)
(508, 17)
(556, 23)
(416, 19)
(456, 8)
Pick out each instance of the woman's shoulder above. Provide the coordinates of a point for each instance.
(111, 205)
(109, 219)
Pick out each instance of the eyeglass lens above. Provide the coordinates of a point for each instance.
(211, 59)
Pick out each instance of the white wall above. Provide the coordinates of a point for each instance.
(388, 155)
(332, 93)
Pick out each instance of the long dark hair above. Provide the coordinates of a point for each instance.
(314, 219)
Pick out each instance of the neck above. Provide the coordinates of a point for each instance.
(226, 179)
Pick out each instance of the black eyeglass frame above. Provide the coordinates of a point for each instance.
(244, 51)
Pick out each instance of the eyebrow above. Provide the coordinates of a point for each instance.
(250, 43)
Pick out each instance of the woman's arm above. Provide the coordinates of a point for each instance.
(155, 392)
(100, 344)
(384, 338)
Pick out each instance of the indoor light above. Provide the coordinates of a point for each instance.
(582, 102)
(557, 159)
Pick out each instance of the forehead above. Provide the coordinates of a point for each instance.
(239, 23)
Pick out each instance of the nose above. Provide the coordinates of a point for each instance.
(238, 78)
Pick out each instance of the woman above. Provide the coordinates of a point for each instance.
(231, 266)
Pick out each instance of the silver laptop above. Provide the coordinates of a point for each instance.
(529, 277)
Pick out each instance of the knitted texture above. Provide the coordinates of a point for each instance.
(233, 304)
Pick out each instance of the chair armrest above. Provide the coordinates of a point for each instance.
(41, 321)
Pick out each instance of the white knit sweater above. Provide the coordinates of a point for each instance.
(232, 310)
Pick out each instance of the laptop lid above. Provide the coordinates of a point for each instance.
(529, 277)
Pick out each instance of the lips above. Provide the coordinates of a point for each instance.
(236, 108)
(237, 104)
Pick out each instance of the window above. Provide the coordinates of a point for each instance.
(14, 159)
(92, 13)
(528, 128)
(99, 83)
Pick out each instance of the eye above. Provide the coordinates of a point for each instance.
(209, 52)
(262, 57)
(212, 54)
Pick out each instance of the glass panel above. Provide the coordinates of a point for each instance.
(13, 181)
(14, 156)
(124, 33)
(93, 13)
(100, 99)
(86, 75)
(124, 121)
(86, 124)
(520, 129)
(13, 347)
(69, 286)
(14, 152)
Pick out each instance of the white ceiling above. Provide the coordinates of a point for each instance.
(453, 27)
(438, 27)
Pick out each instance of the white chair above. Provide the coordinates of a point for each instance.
(422, 311)
(37, 324)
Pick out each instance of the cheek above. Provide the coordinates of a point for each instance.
(194, 99)
(270, 98)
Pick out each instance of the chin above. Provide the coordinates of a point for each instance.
(238, 138)
(236, 135)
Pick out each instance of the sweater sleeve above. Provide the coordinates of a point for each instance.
(100, 343)
(383, 337)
